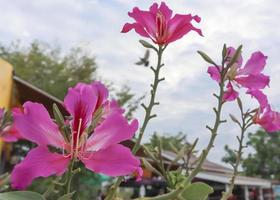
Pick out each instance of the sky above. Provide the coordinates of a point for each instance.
(186, 95)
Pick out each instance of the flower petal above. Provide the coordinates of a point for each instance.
(179, 26)
(80, 102)
(146, 19)
(214, 73)
(39, 162)
(258, 81)
(10, 134)
(260, 96)
(230, 53)
(115, 160)
(254, 65)
(101, 93)
(137, 27)
(111, 107)
(167, 12)
(114, 129)
(35, 125)
(270, 120)
(230, 94)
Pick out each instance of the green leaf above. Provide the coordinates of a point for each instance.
(206, 58)
(57, 115)
(197, 191)
(21, 195)
(146, 44)
(234, 119)
(239, 103)
(224, 52)
(67, 196)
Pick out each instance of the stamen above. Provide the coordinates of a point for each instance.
(72, 144)
(63, 152)
(78, 137)
(161, 26)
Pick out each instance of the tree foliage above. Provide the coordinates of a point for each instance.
(48, 67)
(169, 141)
(264, 162)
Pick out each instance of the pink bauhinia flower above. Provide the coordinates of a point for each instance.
(250, 76)
(268, 119)
(8, 132)
(97, 128)
(264, 116)
(159, 25)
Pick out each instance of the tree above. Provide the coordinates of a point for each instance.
(47, 68)
(169, 141)
(128, 100)
(264, 162)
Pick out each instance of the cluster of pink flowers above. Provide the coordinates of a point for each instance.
(97, 127)
(251, 78)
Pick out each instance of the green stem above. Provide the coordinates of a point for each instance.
(147, 118)
(213, 131)
(152, 103)
(243, 128)
(69, 177)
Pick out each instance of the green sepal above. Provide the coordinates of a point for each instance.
(206, 58)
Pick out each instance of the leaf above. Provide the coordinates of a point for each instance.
(224, 52)
(21, 195)
(197, 191)
(58, 116)
(234, 119)
(67, 196)
(206, 58)
(146, 44)
(239, 103)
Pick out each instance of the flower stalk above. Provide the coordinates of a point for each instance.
(213, 131)
(244, 125)
(152, 103)
(223, 72)
(148, 114)
(69, 177)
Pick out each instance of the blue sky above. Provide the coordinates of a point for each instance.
(185, 96)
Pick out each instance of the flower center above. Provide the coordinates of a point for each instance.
(78, 143)
(232, 72)
(161, 27)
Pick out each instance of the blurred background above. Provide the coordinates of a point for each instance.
(54, 44)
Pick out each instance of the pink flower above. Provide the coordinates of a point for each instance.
(159, 25)
(250, 76)
(97, 147)
(260, 97)
(268, 119)
(8, 133)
